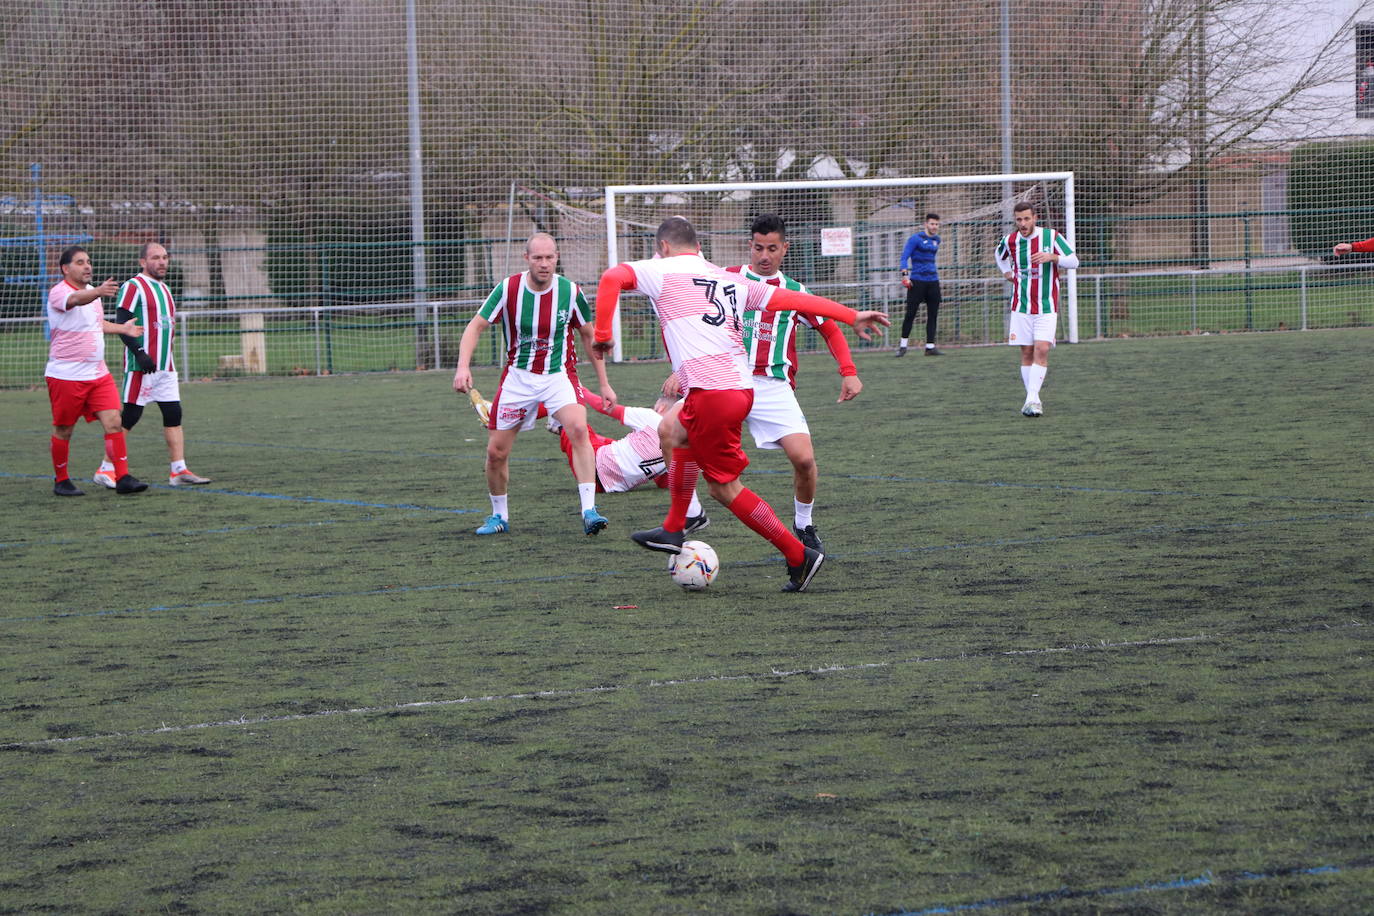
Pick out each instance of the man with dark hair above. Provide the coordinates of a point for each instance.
(1031, 258)
(770, 342)
(922, 282)
(150, 372)
(698, 307)
(79, 382)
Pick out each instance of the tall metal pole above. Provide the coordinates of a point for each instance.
(419, 281)
(1006, 109)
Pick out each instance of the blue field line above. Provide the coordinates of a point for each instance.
(611, 573)
(1206, 879)
(284, 497)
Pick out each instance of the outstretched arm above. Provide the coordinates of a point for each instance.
(613, 282)
(1347, 247)
(850, 386)
(792, 300)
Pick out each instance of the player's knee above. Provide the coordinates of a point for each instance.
(130, 415)
(171, 413)
(804, 464)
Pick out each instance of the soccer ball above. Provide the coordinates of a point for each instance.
(695, 567)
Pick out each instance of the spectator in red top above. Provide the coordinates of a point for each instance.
(1347, 247)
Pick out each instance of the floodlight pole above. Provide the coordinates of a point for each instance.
(419, 282)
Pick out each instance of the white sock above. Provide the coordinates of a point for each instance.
(1037, 378)
(1026, 379)
(802, 512)
(903, 343)
(498, 506)
(930, 346)
(694, 508)
(587, 493)
(178, 467)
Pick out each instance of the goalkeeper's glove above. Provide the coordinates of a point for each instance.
(145, 362)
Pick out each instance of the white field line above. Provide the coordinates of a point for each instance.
(661, 684)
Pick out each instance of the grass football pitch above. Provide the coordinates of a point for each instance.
(1116, 659)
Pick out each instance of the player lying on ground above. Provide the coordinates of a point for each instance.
(626, 463)
(698, 307)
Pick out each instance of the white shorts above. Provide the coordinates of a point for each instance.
(775, 413)
(516, 405)
(1023, 329)
(142, 387)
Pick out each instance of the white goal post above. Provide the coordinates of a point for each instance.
(639, 207)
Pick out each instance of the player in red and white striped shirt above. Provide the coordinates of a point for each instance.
(699, 307)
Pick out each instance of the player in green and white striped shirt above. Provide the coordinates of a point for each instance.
(150, 372)
(538, 310)
(1031, 258)
(770, 339)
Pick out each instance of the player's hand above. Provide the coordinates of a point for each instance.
(462, 380)
(1040, 257)
(108, 288)
(145, 362)
(601, 347)
(906, 281)
(866, 321)
(607, 396)
(672, 388)
(850, 386)
(1011, 277)
(1342, 248)
(131, 328)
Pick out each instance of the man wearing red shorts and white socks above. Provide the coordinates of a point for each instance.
(699, 308)
(79, 382)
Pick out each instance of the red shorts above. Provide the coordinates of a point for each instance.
(73, 400)
(713, 419)
(598, 442)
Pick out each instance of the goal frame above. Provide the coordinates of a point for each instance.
(612, 192)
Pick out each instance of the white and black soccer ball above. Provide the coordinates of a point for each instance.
(695, 567)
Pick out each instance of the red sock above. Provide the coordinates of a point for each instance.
(761, 518)
(118, 454)
(682, 482)
(61, 448)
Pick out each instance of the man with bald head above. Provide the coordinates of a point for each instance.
(538, 310)
(150, 372)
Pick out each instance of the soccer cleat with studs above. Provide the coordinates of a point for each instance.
(901, 351)
(129, 484)
(808, 536)
(1032, 409)
(695, 523)
(660, 540)
(593, 522)
(494, 524)
(65, 487)
(104, 477)
(184, 477)
(933, 351)
(799, 577)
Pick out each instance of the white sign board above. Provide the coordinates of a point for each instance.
(837, 242)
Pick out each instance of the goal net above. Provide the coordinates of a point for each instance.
(846, 238)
